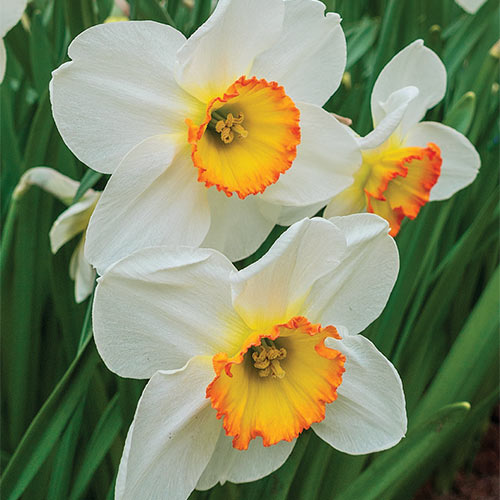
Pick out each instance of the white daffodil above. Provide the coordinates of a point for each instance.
(407, 163)
(241, 362)
(10, 13)
(69, 224)
(210, 140)
(470, 6)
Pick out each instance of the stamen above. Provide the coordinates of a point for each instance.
(227, 126)
(267, 357)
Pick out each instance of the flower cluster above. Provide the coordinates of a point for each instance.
(210, 142)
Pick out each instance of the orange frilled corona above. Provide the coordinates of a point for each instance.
(248, 139)
(278, 384)
(397, 181)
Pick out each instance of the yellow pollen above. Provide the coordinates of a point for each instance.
(267, 357)
(226, 127)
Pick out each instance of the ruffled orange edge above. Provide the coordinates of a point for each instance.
(223, 363)
(395, 213)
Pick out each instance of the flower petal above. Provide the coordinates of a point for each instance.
(271, 290)
(356, 291)
(289, 215)
(327, 158)
(73, 220)
(82, 272)
(158, 307)
(118, 90)
(241, 466)
(350, 201)
(62, 187)
(369, 413)
(172, 438)
(471, 6)
(152, 199)
(415, 65)
(224, 47)
(3, 60)
(461, 161)
(10, 13)
(309, 57)
(395, 108)
(238, 227)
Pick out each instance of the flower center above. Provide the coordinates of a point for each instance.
(278, 384)
(271, 134)
(227, 126)
(267, 357)
(397, 181)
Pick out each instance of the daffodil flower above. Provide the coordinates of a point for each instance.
(210, 140)
(10, 13)
(73, 221)
(407, 163)
(241, 362)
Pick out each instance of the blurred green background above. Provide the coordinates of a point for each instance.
(65, 416)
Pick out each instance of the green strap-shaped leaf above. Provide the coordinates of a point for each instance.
(47, 427)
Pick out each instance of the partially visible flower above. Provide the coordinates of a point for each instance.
(210, 141)
(407, 163)
(241, 362)
(470, 6)
(73, 221)
(10, 13)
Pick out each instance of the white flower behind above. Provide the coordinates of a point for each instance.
(406, 162)
(10, 13)
(72, 222)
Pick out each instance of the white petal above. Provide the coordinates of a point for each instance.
(238, 227)
(153, 198)
(471, 6)
(395, 108)
(356, 291)
(50, 180)
(309, 58)
(118, 90)
(461, 161)
(10, 13)
(174, 433)
(160, 306)
(271, 290)
(369, 414)
(350, 201)
(72, 221)
(289, 215)
(415, 65)
(3, 60)
(82, 272)
(327, 158)
(238, 466)
(225, 46)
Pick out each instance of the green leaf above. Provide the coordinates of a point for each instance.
(102, 438)
(89, 180)
(50, 422)
(461, 114)
(392, 467)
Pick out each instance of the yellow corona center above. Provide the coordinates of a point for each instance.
(277, 384)
(397, 181)
(248, 138)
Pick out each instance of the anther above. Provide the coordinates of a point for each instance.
(267, 357)
(227, 126)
